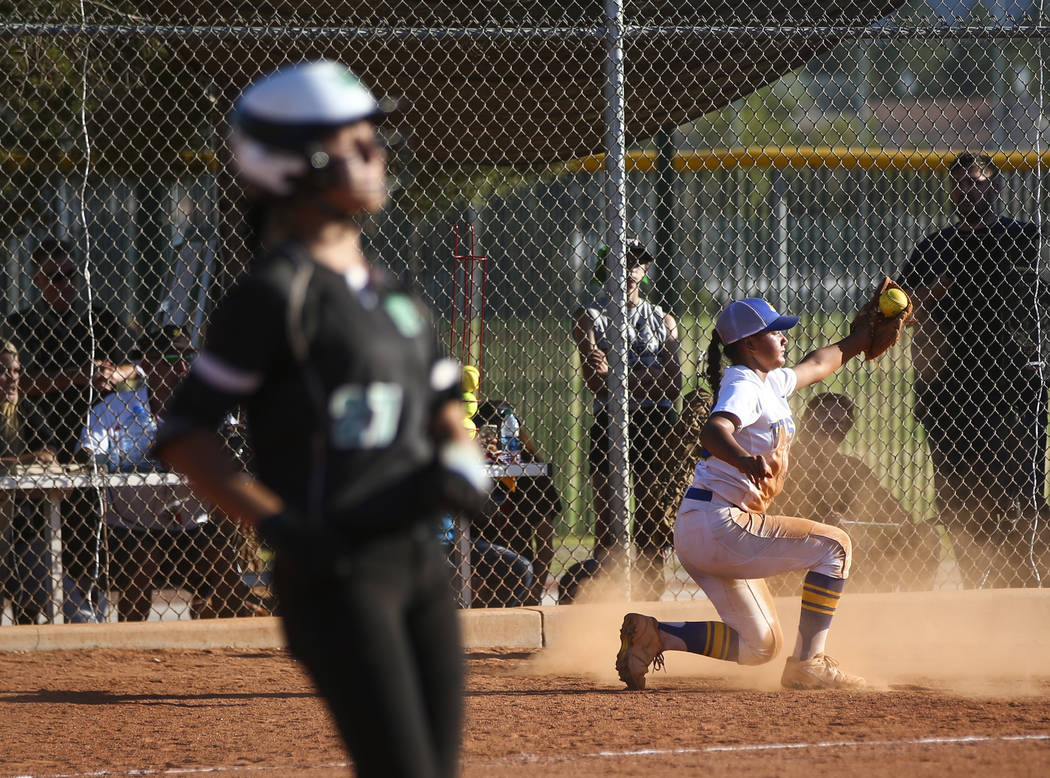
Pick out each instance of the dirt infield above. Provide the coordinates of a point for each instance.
(558, 711)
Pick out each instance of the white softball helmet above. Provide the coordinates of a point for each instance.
(278, 121)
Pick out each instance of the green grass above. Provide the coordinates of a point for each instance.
(886, 436)
(534, 365)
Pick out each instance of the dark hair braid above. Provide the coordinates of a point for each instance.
(714, 364)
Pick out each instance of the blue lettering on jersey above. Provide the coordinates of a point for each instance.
(782, 432)
(365, 416)
(405, 314)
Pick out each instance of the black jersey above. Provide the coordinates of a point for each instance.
(338, 386)
(49, 341)
(989, 311)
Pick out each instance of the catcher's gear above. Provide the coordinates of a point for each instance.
(882, 331)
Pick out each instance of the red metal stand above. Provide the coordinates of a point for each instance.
(467, 335)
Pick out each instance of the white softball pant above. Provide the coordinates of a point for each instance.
(728, 552)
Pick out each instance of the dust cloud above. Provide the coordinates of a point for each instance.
(981, 643)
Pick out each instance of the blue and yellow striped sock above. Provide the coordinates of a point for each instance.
(820, 597)
(709, 638)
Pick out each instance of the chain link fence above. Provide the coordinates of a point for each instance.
(550, 156)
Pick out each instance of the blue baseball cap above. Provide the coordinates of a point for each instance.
(749, 317)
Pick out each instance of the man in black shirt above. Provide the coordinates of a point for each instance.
(61, 359)
(979, 386)
(64, 355)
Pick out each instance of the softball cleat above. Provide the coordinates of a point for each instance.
(820, 672)
(640, 648)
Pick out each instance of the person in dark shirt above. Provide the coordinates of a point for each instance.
(521, 512)
(980, 394)
(26, 441)
(69, 359)
(355, 422)
(64, 355)
(890, 551)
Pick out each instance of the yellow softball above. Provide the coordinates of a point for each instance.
(471, 401)
(892, 302)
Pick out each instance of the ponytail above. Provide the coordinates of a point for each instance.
(714, 364)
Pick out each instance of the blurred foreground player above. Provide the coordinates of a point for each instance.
(356, 425)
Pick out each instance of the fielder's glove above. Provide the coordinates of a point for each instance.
(462, 481)
(883, 331)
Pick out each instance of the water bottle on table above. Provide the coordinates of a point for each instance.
(510, 439)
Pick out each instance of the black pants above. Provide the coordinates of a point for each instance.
(987, 444)
(647, 430)
(377, 631)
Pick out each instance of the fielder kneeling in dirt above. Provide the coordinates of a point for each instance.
(723, 537)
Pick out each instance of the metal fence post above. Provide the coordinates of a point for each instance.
(616, 284)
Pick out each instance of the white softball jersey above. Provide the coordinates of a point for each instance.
(766, 428)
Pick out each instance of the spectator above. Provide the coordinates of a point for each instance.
(979, 390)
(26, 440)
(890, 551)
(521, 511)
(654, 382)
(500, 578)
(62, 356)
(163, 537)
